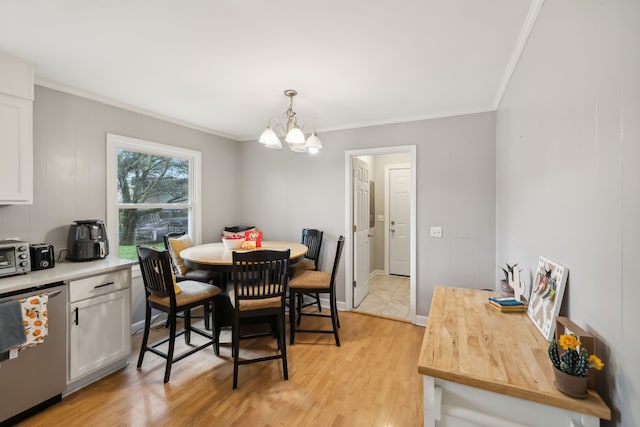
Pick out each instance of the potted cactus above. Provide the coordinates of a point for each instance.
(571, 366)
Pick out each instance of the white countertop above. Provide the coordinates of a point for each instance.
(63, 271)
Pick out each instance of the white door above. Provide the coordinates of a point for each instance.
(399, 225)
(361, 208)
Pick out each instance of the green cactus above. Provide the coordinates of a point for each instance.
(553, 354)
(583, 364)
(570, 361)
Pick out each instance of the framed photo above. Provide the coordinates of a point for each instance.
(546, 295)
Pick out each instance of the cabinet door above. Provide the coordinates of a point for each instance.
(16, 150)
(99, 333)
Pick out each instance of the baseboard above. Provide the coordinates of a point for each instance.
(324, 303)
(421, 320)
(158, 319)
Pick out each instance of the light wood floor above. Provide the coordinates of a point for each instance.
(372, 380)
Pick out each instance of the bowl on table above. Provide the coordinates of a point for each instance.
(233, 242)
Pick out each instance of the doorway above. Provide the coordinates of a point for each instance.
(370, 291)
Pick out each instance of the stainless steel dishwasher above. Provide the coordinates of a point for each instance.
(37, 377)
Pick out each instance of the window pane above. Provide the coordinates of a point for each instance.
(148, 178)
(147, 227)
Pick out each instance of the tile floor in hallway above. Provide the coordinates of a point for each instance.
(388, 296)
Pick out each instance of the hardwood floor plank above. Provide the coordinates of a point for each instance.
(371, 380)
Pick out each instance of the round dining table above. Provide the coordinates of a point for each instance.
(215, 257)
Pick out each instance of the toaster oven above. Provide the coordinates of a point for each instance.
(14, 257)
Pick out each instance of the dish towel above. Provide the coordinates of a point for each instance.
(12, 332)
(35, 321)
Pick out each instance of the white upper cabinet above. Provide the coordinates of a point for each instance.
(16, 131)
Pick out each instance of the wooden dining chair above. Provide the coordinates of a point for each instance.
(175, 242)
(163, 293)
(259, 288)
(312, 239)
(320, 282)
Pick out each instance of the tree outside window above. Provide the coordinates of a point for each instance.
(152, 194)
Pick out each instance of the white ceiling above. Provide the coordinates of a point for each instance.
(222, 65)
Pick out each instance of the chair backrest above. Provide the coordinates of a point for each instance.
(336, 261)
(260, 274)
(312, 239)
(156, 272)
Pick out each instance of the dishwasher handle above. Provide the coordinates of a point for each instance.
(54, 294)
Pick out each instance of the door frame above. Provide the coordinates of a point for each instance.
(348, 233)
(387, 192)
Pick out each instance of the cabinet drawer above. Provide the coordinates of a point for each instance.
(98, 285)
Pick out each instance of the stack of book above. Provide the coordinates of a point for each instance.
(507, 305)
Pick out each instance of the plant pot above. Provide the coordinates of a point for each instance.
(570, 384)
(505, 289)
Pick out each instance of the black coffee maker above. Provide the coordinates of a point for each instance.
(87, 240)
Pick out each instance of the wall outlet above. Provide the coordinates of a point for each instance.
(436, 232)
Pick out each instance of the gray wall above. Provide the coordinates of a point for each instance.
(279, 191)
(284, 191)
(69, 171)
(69, 167)
(568, 185)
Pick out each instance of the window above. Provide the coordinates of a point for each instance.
(152, 190)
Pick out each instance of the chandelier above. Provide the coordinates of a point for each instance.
(293, 135)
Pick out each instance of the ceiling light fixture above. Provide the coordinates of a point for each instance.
(293, 135)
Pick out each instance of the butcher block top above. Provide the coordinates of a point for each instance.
(468, 342)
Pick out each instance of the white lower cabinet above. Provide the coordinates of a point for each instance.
(99, 327)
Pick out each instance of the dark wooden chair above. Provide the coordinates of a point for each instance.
(182, 272)
(259, 288)
(312, 239)
(164, 294)
(320, 282)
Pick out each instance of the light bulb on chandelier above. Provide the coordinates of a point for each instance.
(294, 135)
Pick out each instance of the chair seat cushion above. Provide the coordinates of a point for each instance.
(255, 304)
(302, 266)
(190, 292)
(311, 280)
(197, 275)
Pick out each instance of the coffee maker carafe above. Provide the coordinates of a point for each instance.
(87, 240)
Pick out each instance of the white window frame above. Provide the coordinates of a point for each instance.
(117, 142)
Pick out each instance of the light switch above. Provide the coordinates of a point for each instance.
(380, 218)
(436, 232)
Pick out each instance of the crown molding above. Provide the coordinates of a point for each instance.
(108, 101)
(527, 28)
(399, 120)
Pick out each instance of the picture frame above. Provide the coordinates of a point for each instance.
(547, 290)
